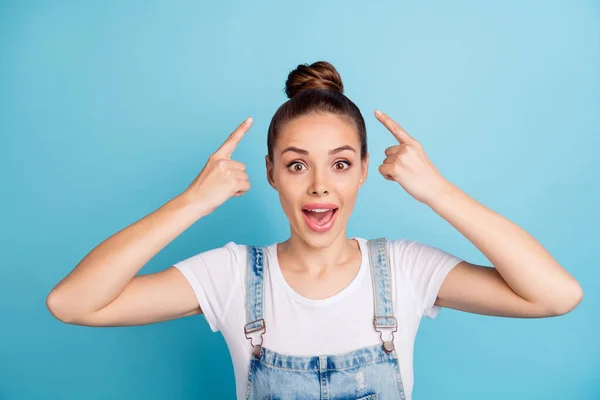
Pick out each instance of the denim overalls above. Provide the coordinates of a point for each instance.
(370, 372)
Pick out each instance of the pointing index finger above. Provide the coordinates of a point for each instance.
(234, 138)
(399, 133)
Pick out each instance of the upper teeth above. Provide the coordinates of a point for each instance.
(321, 209)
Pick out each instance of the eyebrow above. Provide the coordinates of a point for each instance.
(334, 151)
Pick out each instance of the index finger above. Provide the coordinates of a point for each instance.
(399, 133)
(234, 138)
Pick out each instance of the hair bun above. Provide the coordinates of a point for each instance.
(320, 74)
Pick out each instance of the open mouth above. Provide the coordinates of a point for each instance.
(320, 219)
(320, 216)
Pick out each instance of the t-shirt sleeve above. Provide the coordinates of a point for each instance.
(212, 275)
(425, 267)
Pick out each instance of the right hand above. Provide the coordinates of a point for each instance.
(221, 177)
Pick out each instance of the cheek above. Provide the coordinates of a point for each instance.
(290, 193)
(349, 183)
(349, 189)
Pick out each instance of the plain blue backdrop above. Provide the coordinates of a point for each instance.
(110, 109)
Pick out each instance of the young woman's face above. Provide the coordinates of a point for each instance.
(317, 165)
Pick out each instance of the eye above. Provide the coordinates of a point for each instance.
(294, 165)
(342, 162)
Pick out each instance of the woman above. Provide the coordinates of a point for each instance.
(342, 312)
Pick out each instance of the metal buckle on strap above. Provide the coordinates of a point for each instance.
(264, 326)
(388, 345)
(256, 349)
(385, 326)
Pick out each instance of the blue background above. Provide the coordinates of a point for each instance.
(110, 109)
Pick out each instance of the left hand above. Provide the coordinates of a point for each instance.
(407, 164)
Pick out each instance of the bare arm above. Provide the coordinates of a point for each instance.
(103, 289)
(525, 281)
(107, 275)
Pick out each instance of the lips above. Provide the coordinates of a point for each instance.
(320, 217)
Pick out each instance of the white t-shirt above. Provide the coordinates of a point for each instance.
(297, 325)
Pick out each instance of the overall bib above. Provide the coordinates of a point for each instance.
(370, 372)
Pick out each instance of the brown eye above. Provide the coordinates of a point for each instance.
(296, 166)
(341, 163)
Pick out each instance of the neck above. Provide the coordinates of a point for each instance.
(315, 259)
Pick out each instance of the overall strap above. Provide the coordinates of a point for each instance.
(382, 290)
(255, 296)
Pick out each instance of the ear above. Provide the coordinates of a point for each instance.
(365, 170)
(269, 167)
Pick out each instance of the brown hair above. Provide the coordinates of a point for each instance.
(316, 88)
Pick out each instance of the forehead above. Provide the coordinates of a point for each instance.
(317, 131)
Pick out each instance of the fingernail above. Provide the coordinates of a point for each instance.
(377, 112)
(248, 119)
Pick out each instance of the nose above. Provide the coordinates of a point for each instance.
(319, 185)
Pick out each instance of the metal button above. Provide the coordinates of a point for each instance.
(388, 346)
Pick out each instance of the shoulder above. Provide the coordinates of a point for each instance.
(230, 254)
(406, 252)
(396, 246)
(420, 259)
(405, 247)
